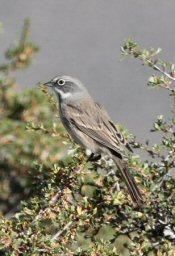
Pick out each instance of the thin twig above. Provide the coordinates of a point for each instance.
(41, 212)
(160, 70)
(51, 202)
(159, 184)
(156, 67)
(59, 233)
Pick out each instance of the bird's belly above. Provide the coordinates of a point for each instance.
(78, 136)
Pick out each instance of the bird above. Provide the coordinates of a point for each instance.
(90, 125)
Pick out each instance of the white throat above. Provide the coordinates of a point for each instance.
(62, 94)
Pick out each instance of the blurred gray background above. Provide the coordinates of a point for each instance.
(83, 38)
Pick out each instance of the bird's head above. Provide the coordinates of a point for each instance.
(67, 87)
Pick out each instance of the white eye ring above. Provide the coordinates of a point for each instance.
(61, 82)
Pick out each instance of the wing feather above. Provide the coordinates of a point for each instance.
(96, 123)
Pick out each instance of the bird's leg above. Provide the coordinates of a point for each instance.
(93, 157)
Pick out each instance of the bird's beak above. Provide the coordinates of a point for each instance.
(49, 84)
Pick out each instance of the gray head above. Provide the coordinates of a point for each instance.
(67, 87)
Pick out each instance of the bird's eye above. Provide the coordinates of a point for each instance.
(61, 82)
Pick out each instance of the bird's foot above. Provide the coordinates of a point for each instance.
(94, 157)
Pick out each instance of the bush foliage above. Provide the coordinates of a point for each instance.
(57, 203)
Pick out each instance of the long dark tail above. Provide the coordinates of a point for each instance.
(130, 182)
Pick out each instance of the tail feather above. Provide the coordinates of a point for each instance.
(130, 182)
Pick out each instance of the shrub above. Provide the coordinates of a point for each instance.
(54, 203)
